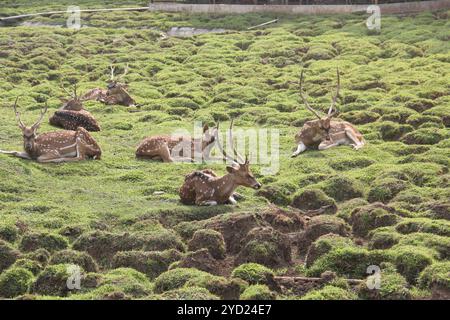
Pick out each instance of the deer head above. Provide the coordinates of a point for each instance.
(240, 168)
(75, 103)
(323, 121)
(118, 90)
(29, 133)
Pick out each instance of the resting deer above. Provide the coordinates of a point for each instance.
(59, 146)
(325, 133)
(116, 92)
(206, 188)
(162, 147)
(72, 115)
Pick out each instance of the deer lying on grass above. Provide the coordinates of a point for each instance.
(205, 188)
(325, 133)
(116, 92)
(72, 115)
(161, 147)
(59, 146)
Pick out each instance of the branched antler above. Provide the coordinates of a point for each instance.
(304, 99)
(333, 102)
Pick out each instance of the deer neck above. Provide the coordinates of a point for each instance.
(225, 186)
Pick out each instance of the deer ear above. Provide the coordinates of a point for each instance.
(205, 128)
(231, 169)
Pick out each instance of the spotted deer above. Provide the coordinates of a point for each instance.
(325, 133)
(116, 92)
(162, 147)
(72, 114)
(59, 146)
(205, 188)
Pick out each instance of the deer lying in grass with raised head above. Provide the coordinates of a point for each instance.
(206, 188)
(59, 146)
(72, 115)
(116, 92)
(162, 147)
(325, 133)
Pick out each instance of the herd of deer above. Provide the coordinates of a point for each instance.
(204, 187)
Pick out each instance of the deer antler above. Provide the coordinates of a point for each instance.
(21, 125)
(125, 72)
(41, 117)
(236, 154)
(333, 102)
(112, 72)
(304, 99)
(68, 93)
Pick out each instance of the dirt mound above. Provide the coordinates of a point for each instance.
(321, 225)
(314, 199)
(266, 246)
(8, 255)
(201, 260)
(372, 216)
(283, 220)
(209, 239)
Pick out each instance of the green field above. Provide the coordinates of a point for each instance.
(110, 216)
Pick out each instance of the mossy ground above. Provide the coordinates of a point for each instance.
(395, 88)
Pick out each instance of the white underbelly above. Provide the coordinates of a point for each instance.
(69, 154)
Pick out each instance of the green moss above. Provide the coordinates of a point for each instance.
(258, 292)
(209, 239)
(81, 259)
(8, 255)
(341, 188)
(14, 282)
(437, 274)
(177, 278)
(324, 244)
(350, 262)
(253, 273)
(9, 232)
(129, 281)
(439, 227)
(313, 199)
(329, 293)
(48, 241)
(53, 281)
(363, 220)
(411, 260)
(151, 263)
(392, 286)
(33, 266)
(385, 189)
(425, 136)
(191, 293)
(383, 238)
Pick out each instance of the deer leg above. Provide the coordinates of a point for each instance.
(357, 144)
(165, 154)
(207, 203)
(232, 200)
(326, 145)
(22, 155)
(300, 148)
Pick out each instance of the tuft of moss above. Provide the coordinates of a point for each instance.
(383, 238)
(253, 273)
(49, 241)
(367, 218)
(81, 259)
(126, 280)
(385, 189)
(14, 282)
(313, 199)
(151, 263)
(9, 232)
(393, 286)
(53, 281)
(330, 292)
(323, 245)
(425, 136)
(435, 275)
(341, 188)
(40, 255)
(209, 239)
(439, 227)
(191, 293)
(258, 292)
(176, 278)
(33, 266)
(411, 260)
(8, 255)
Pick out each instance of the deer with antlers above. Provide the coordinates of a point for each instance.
(116, 92)
(325, 133)
(205, 188)
(72, 114)
(57, 147)
(164, 147)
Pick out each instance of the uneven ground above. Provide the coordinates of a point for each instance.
(387, 203)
